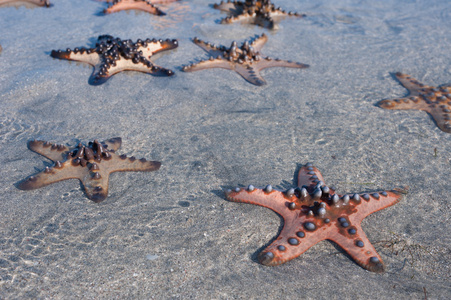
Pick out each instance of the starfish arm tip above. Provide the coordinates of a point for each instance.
(267, 258)
(97, 197)
(26, 184)
(375, 265)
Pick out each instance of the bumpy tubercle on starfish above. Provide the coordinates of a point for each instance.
(91, 164)
(113, 55)
(434, 100)
(246, 60)
(259, 12)
(27, 3)
(313, 212)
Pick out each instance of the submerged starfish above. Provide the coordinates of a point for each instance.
(31, 3)
(259, 12)
(113, 55)
(434, 100)
(313, 212)
(91, 164)
(143, 5)
(245, 60)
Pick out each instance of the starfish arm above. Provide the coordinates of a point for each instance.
(50, 175)
(54, 152)
(414, 102)
(244, 17)
(98, 78)
(134, 4)
(122, 163)
(251, 74)
(153, 1)
(96, 183)
(442, 116)
(163, 1)
(359, 248)
(279, 13)
(272, 199)
(155, 46)
(81, 55)
(265, 21)
(440, 112)
(113, 143)
(268, 62)
(259, 42)
(213, 50)
(308, 174)
(410, 83)
(370, 203)
(292, 241)
(35, 3)
(234, 7)
(208, 64)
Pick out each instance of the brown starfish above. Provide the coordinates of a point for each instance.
(142, 5)
(313, 212)
(259, 12)
(245, 60)
(91, 164)
(30, 3)
(434, 100)
(113, 55)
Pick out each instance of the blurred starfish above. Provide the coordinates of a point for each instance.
(434, 100)
(259, 12)
(30, 3)
(143, 5)
(91, 164)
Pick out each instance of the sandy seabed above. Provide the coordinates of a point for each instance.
(171, 233)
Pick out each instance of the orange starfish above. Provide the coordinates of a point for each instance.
(313, 212)
(434, 100)
(28, 3)
(143, 5)
(91, 164)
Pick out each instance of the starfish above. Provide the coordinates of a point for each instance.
(91, 164)
(113, 55)
(314, 212)
(143, 5)
(28, 3)
(434, 100)
(259, 12)
(245, 60)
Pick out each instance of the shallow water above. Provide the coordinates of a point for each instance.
(171, 233)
